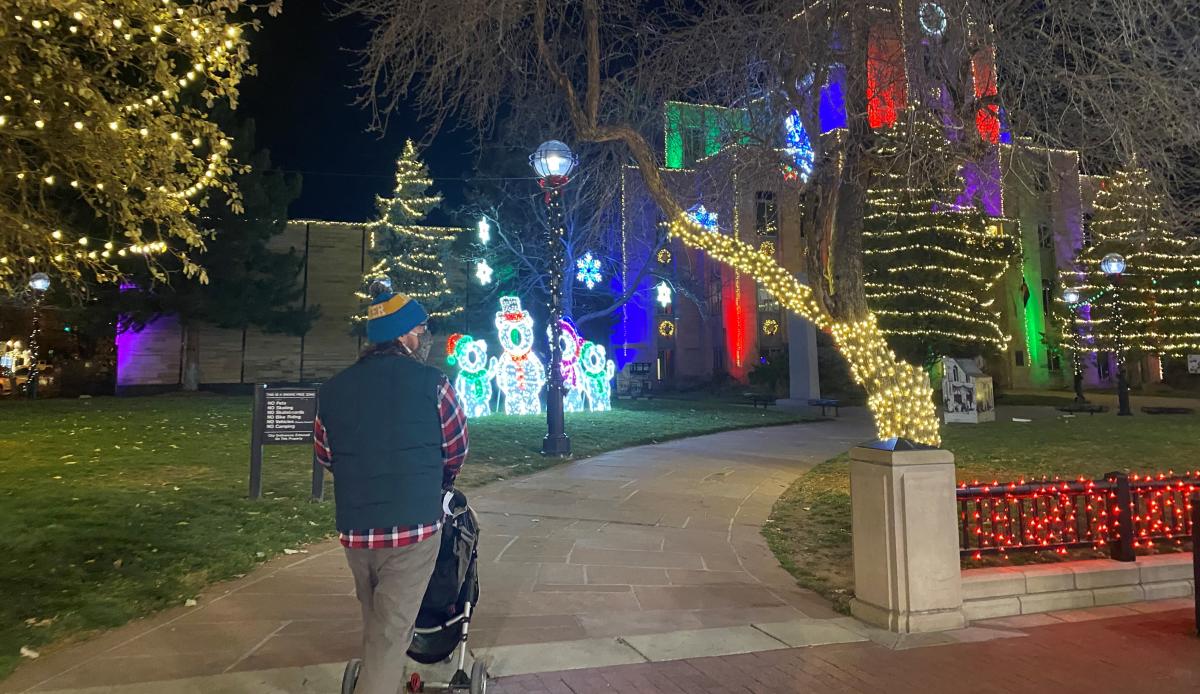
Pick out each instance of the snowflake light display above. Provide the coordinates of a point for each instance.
(597, 371)
(519, 373)
(570, 344)
(474, 382)
(483, 272)
(798, 145)
(703, 217)
(664, 294)
(589, 270)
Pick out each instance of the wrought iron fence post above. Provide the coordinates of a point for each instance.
(1196, 557)
(1120, 518)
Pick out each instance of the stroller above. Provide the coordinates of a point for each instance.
(445, 615)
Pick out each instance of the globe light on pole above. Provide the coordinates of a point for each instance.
(1071, 296)
(1112, 264)
(553, 161)
(39, 284)
(485, 231)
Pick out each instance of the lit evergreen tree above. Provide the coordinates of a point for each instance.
(929, 266)
(407, 253)
(1151, 307)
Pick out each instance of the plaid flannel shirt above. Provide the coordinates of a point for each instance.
(454, 453)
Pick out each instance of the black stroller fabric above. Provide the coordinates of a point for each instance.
(454, 582)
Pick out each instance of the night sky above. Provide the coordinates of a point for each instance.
(302, 103)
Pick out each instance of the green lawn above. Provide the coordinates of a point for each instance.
(113, 508)
(810, 524)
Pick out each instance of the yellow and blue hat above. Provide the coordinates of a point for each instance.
(391, 315)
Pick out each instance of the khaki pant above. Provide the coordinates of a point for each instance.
(390, 584)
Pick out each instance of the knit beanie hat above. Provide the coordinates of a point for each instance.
(391, 315)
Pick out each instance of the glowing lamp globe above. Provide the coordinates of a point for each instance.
(40, 282)
(1070, 296)
(553, 159)
(1112, 264)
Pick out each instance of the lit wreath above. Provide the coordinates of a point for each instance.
(666, 328)
(770, 326)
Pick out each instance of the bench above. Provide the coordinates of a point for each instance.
(1167, 410)
(763, 400)
(1090, 409)
(825, 404)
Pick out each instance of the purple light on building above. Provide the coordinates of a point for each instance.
(981, 185)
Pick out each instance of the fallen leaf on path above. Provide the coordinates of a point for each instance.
(28, 652)
(190, 602)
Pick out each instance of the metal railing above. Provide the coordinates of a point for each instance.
(1123, 513)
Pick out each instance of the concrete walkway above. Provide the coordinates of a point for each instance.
(652, 549)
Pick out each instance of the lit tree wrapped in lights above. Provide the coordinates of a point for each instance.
(407, 253)
(106, 144)
(929, 267)
(1151, 307)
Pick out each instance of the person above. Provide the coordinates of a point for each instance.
(393, 434)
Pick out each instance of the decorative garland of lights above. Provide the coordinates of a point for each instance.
(900, 396)
(770, 326)
(407, 252)
(664, 256)
(667, 328)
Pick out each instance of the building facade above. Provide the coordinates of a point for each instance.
(716, 322)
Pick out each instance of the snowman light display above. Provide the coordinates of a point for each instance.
(597, 371)
(519, 373)
(570, 344)
(474, 381)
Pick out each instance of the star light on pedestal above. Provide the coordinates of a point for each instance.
(483, 272)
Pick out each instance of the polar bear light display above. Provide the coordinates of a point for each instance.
(571, 345)
(474, 381)
(597, 371)
(519, 373)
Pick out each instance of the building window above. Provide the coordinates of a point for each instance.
(1103, 368)
(1053, 360)
(1045, 237)
(1087, 229)
(1047, 296)
(693, 146)
(1019, 356)
(766, 214)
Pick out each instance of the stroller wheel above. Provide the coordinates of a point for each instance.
(350, 676)
(479, 677)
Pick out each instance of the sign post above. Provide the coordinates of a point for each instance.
(283, 414)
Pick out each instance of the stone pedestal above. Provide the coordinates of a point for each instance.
(906, 567)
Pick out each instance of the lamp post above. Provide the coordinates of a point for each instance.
(1113, 265)
(1071, 298)
(38, 284)
(553, 162)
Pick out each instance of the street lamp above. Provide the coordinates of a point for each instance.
(553, 162)
(1113, 265)
(38, 284)
(1071, 297)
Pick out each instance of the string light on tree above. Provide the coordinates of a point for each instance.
(929, 266)
(588, 270)
(407, 252)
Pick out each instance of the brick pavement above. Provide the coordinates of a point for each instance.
(1156, 652)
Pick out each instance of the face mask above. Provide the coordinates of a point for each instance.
(424, 346)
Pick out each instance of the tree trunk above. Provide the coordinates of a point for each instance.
(899, 394)
(191, 358)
